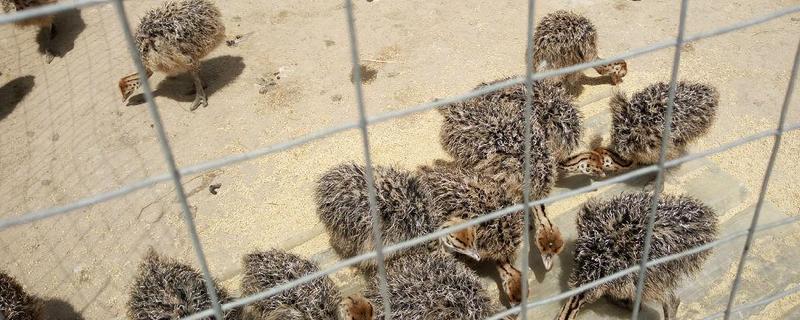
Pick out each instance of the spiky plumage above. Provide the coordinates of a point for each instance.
(468, 194)
(611, 236)
(493, 123)
(318, 299)
(638, 122)
(487, 133)
(173, 38)
(15, 303)
(563, 39)
(343, 207)
(423, 286)
(167, 289)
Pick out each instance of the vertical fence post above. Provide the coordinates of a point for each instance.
(526, 179)
(169, 158)
(362, 123)
(665, 141)
(765, 184)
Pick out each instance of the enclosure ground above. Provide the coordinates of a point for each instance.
(65, 134)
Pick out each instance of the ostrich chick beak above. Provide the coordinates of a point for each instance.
(472, 254)
(547, 260)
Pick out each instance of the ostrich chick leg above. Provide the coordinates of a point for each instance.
(48, 42)
(670, 306)
(200, 98)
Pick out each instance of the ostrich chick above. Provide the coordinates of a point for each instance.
(167, 289)
(44, 22)
(638, 124)
(611, 236)
(494, 123)
(548, 237)
(466, 194)
(15, 304)
(343, 207)
(318, 299)
(432, 286)
(173, 38)
(563, 39)
(470, 193)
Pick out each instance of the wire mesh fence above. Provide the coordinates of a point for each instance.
(175, 173)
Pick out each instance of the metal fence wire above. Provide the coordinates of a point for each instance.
(363, 124)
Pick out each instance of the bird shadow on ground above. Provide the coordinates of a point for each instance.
(59, 309)
(12, 93)
(606, 309)
(487, 269)
(216, 73)
(578, 88)
(573, 181)
(68, 26)
(596, 81)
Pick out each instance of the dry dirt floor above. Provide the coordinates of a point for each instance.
(65, 134)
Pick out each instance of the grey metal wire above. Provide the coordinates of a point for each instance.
(369, 255)
(526, 179)
(754, 304)
(230, 160)
(48, 10)
(175, 173)
(765, 184)
(651, 263)
(169, 158)
(285, 286)
(582, 66)
(362, 124)
(499, 213)
(662, 157)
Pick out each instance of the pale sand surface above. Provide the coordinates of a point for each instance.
(71, 136)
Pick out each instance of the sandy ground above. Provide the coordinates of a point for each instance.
(66, 135)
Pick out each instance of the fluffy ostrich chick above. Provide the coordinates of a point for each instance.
(563, 39)
(173, 38)
(638, 124)
(611, 236)
(426, 286)
(318, 299)
(494, 123)
(167, 289)
(343, 207)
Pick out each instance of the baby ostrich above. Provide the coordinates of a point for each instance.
(487, 133)
(173, 38)
(15, 304)
(464, 193)
(432, 286)
(548, 237)
(343, 207)
(493, 123)
(563, 39)
(638, 124)
(470, 193)
(318, 299)
(167, 289)
(611, 236)
(44, 22)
